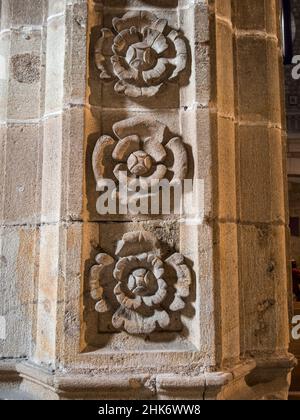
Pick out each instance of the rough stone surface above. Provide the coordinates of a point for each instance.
(26, 68)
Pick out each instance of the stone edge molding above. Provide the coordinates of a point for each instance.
(211, 385)
(141, 54)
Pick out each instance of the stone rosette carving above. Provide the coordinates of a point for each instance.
(142, 151)
(143, 295)
(141, 54)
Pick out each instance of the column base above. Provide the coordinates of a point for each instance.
(252, 380)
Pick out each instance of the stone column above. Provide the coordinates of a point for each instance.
(143, 305)
(21, 141)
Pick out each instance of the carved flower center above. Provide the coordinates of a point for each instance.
(139, 163)
(142, 282)
(141, 56)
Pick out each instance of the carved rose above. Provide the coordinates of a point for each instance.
(142, 54)
(141, 288)
(141, 152)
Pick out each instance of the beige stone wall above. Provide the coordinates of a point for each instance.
(42, 99)
(262, 188)
(21, 110)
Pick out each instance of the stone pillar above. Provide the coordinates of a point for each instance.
(21, 141)
(143, 305)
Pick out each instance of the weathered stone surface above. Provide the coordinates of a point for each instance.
(142, 55)
(144, 152)
(141, 284)
(26, 68)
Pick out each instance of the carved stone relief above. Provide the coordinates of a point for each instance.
(143, 150)
(147, 288)
(138, 288)
(141, 54)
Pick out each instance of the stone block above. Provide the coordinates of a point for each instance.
(5, 44)
(250, 15)
(22, 174)
(24, 84)
(227, 183)
(223, 8)
(19, 14)
(55, 69)
(224, 75)
(228, 277)
(262, 264)
(252, 82)
(18, 258)
(262, 196)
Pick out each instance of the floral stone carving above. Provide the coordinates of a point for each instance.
(143, 151)
(146, 287)
(141, 55)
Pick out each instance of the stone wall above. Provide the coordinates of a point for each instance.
(39, 104)
(21, 112)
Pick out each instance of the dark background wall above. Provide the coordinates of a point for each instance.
(293, 86)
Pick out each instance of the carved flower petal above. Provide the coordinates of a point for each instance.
(159, 296)
(177, 305)
(160, 45)
(102, 162)
(145, 256)
(96, 275)
(155, 150)
(124, 39)
(136, 243)
(150, 35)
(155, 178)
(140, 20)
(184, 280)
(158, 271)
(180, 166)
(145, 127)
(120, 172)
(121, 268)
(160, 25)
(151, 258)
(180, 61)
(104, 260)
(157, 264)
(122, 70)
(102, 306)
(125, 301)
(179, 42)
(164, 319)
(158, 73)
(130, 183)
(148, 301)
(155, 40)
(134, 323)
(129, 90)
(125, 147)
(96, 289)
(103, 53)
